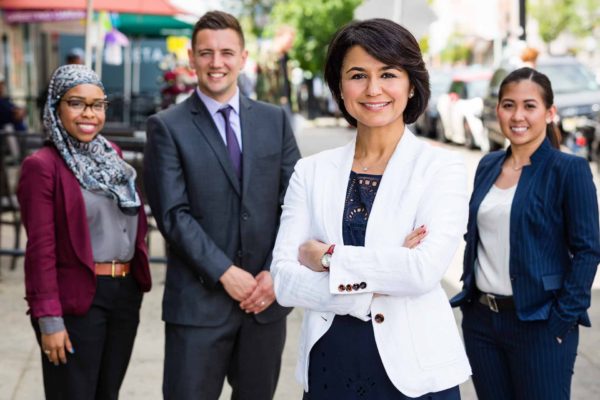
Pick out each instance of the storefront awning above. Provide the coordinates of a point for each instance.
(150, 7)
(152, 25)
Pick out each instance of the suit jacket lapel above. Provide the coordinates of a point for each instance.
(79, 231)
(392, 185)
(207, 128)
(334, 191)
(250, 140)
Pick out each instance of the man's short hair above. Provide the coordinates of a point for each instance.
(217, 20)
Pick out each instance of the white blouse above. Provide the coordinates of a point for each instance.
(493, 250)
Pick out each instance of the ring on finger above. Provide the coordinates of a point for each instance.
(47, 352)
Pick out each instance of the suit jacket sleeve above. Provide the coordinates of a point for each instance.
(167, 195)
(400, 271)
(582, 235)
(36, 199)
(289, 157)
(296, 285)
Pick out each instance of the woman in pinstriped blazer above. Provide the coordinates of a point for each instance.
(532, 252)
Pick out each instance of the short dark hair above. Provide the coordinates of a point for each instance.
(530, 74)
(217, 20)
(389, 43)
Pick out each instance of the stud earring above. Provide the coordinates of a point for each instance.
(411, 94)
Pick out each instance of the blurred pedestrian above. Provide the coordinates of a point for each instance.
(377, 323)
(531, 255)
(75, 56)
(220, 164)
(86, 263)
(10, 114)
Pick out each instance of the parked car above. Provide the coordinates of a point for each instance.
(576, 96)
(460, 108)
(428, 124)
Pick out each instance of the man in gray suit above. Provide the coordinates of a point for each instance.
(216, 170)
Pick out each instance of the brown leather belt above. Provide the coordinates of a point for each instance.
(115, 269)
(496, 303)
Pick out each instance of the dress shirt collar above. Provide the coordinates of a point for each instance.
(214, 106)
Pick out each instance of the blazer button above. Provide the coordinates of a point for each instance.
(348, 288)
(245, 216)
(356, 286)
(379, 318)
(363, 285)
(341, 288)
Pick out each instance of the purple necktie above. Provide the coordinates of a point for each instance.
(233, 147)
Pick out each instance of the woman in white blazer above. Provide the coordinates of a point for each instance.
(377, 323)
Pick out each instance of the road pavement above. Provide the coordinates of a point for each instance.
(20, 366)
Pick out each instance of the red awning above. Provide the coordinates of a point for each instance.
(151, 7)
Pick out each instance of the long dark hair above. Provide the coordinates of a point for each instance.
(526, 73)
(389, 43)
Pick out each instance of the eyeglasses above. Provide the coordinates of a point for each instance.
(97, 107)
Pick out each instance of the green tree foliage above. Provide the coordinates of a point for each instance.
(554, 17)
(315, 21)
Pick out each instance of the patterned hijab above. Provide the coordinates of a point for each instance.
(96, 164)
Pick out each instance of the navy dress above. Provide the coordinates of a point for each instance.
(345, 363)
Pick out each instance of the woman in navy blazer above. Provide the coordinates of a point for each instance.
(83, 287)
(531, 254)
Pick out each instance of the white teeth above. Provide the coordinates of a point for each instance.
(375, 106)
(518, 129)
(216, 75)
(87, 127)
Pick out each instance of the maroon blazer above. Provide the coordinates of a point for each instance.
(59, 264)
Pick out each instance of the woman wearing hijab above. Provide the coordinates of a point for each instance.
(86, 263)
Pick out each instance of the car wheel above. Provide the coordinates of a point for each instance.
(469, 142)
(439, 131)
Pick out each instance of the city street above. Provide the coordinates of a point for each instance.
(20, 371)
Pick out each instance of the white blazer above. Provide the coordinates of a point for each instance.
(418, 340)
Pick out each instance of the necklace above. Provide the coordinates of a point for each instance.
(362, 167)
(515, 167)
(365, 168)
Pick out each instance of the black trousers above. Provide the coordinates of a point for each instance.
(197, 359)
(102, 339)
(517, 360)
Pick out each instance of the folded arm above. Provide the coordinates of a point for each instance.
(296, 285)
(403, 271)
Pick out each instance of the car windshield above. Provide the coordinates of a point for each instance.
(569, 78)
(478, 88)
(439, 83)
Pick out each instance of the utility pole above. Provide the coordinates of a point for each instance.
(522, 19)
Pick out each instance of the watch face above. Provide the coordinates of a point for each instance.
(326, 260)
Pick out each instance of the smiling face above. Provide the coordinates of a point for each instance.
(217, 57)
(84, 124)
(522, 113)
(374, 93)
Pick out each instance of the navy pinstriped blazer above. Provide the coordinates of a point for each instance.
(554, 237)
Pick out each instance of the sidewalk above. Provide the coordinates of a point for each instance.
(21, 377)
(20, 366)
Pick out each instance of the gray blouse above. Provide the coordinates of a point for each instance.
(112, 234)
